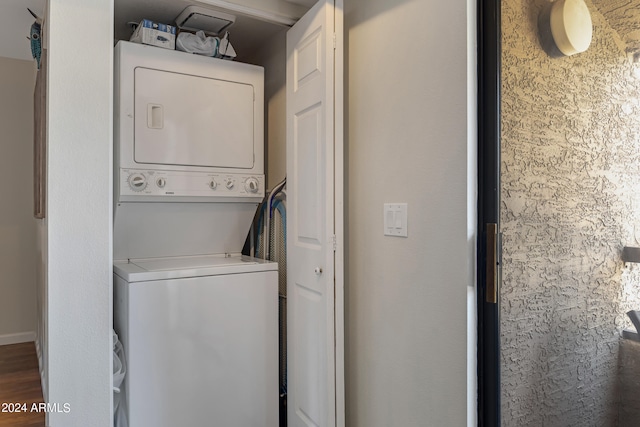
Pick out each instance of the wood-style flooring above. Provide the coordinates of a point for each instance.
(20, 383)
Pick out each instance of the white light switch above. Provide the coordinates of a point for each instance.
(395, 219)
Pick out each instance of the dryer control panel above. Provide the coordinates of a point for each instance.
(157, 185)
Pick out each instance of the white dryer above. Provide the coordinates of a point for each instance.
(198, 321)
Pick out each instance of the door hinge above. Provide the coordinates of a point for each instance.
(493, 263)
(334, 41)
(334, 242)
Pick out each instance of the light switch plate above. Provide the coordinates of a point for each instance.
(395, 219)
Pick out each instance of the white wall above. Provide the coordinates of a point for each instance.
(18, 252)
(277, 7)
(273, 57)
(408, 140)
(79, 219)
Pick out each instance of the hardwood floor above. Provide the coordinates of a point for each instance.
(20, 384)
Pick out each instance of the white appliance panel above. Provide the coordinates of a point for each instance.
(154, 265)
(147, 269)
(201, 351)
(190, 120)
(154, 230)
(155, 185)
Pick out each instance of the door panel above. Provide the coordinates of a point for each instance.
(309, 168)
(311, 229)
(308, 58)
(308, 305)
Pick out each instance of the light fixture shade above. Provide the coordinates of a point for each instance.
(571, 26)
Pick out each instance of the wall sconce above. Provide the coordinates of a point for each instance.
(630, 254)
(565, 28)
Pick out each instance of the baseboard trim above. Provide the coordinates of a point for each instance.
(17, 338)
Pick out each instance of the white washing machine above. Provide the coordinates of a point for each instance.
(198, 321)
(201, 340)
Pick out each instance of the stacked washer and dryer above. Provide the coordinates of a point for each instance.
(198, 320)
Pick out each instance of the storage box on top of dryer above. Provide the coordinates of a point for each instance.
(155, 34)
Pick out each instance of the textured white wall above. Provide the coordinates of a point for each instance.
(79, 215)
(570, 202)
(408, 141)
(18, 252)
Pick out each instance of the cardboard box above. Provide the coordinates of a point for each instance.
(155, 34)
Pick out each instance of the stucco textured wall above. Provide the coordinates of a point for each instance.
(570, 202)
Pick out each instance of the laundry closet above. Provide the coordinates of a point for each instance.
(187, 220)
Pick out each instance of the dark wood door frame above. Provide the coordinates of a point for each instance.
(489, 75)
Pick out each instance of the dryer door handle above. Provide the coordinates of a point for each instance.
(155, 116)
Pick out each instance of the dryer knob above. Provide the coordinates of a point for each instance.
(251, 185)
(137, 182)
(161, 182)
(213, 184)
(230, 184)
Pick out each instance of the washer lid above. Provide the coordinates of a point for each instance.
(143, 270)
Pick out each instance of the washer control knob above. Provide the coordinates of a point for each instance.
(251, 185)
(161, 182)
(230, 184)
(213, 184)
(137, 182)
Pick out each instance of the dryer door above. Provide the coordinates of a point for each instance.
(187, 120)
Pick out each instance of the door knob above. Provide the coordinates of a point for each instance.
(318, 270)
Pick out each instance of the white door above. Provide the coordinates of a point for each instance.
(315, 373)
